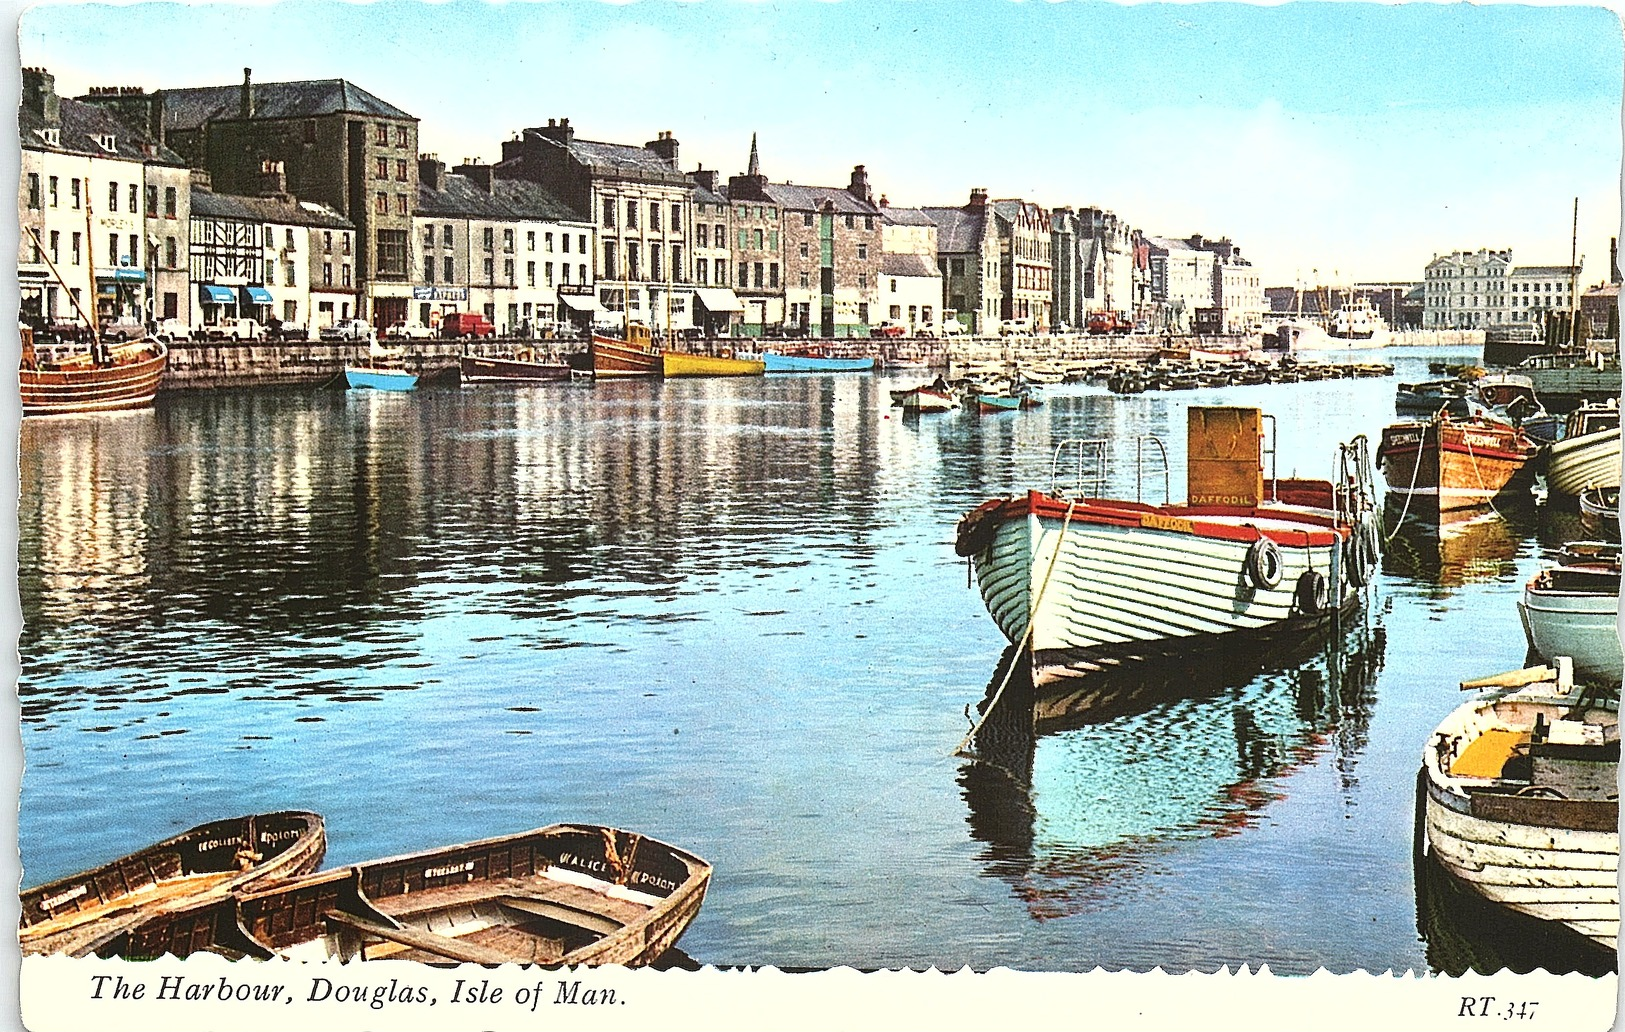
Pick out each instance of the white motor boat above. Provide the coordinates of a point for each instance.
(1572, 608)
(1521, 802)
(1588, 456)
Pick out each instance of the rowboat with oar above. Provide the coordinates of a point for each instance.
(1074, 579)
(1520, 801)
(79, 914)
(567, 894)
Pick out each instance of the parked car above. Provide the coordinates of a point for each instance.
(347, 329)
(280, 330)
(466, 324)
(167, 330)
(951, 326)
(234, 329)
(889, 329)
(408, 331)
(1014, 327)
(123, 329)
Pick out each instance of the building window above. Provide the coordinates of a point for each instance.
(488, 239)
(744, 238)
(290, 278)
(609, 214)
(152, 202)
(171, 255)
(631, 214)
(609, 260)
(849, 223)
(863, 312)
(169, 202)
(52, 182)
(895, 313)
(490, 270)
(530, 274)
(702, 235)
(564, 240)
(134, 195)
(112, 197)
(400, 170)
(381, 168)
(676, 216)
(346, 271)
(381, 204)
(530, 241)
(327, 274)
(56, 239)
(804, 281)
(428, 236)
(428, 270)
(383, 134)
(400, 204)
(720, 236)
(392, 254)
(863, 252)
(868, 222)
(448, 269)
(582, 269)
(73, 191)
(33, 190)
(507, 270)
(507, 241)
(701, 269)
(112, 249)
(756, 239)
(654, 257)
(565, 271)
(863, 279)
(677, 262)
(632, 252)
(807, 219)
(803, 250)
(654, 215)
(547, 242)
(773, 275)
(76, 249)
(744, 274)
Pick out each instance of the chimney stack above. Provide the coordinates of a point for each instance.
(245, 100)
(476, 173)
(431, 171)
(859, 186)
(558, 130)
(705, 177)
(978, 198)
(39, 95)
(664, 146)
(274, 180)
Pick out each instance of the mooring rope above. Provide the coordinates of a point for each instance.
(1032, 615)
(1416, 469)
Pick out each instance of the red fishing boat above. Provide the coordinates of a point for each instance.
(1443, 464)
(631, 355)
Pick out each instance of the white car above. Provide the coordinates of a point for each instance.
(409, 331)
(348, 329)
(1015, 327)
(235, 329)
(171, 329)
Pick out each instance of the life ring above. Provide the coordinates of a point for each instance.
(1310, 594)
(977, 529)
(1264, 565)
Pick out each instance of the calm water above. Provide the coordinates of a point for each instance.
(728, 614)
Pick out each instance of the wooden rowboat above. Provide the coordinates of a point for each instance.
(126, 378)
(677, 363)
(1571, 608)
(1588, 456)
(523, 366)
(566, 894)
(79, 914)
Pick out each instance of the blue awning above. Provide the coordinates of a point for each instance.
(213, 295)
(259, 296)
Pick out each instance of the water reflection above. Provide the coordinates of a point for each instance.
(1187, 751)
(1451, 549)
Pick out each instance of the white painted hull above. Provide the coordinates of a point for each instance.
(1116, 586)
(1581, 626)
(1578, 463)
(1491, 834)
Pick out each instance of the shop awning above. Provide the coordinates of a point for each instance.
(718, 300)
(213, 295)
(259, 296)
(582, 303)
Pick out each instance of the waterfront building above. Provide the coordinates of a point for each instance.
(84, 191)
(641, 206)
(1025, 274)
(718, 309)
(1467, 290)
(339, 145)
(1238, 294)
(1108, 268)
(506, 249)
(756, 228)
(911, 288)
(252, 257)
(968, 259)
(832, 244)
(1070, 253)
(1536, 291)
(1181, 277)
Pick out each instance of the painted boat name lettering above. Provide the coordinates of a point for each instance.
(216, 843)
(1482, 440)
(582, 863)
(1404, 439)
(441, 872)
(645, 878)
(63, 897)
(269, 837)
(1157, 521)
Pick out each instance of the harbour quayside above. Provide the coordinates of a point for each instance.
(1077, 582)
(566, 894)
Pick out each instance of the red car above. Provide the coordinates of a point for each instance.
(888, 329)
(466, 324)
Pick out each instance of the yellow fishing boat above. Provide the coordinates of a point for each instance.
(676, 363)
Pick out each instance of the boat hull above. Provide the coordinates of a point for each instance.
(1581, 625)
(616, 358)
(366, 378)
(676, 364)
(774, 362)
(1117, 580)
(924, 399)
(510, 370)
(78, 914)
(1448, 466)
(127, 383)
(1599, 511)
(1576, 464)
(1512, 836)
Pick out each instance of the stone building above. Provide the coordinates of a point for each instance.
(338, 144)
(1182, 282)
(507, 249)
(832, 245)
(1025, 273)
(1109, 263)
(1536, 291)
(1467, 290)
(756, 226)
(1070, 255)
(968, 258)
(95, 195)
(718, 309)
(641, 205)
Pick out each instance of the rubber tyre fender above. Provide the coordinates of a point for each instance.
(1264, 564)
(1310, 593)
(1357, 558)
(977, 529)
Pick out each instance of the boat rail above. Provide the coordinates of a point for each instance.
(1266, 455)
(1355, 494)
(1095, 477)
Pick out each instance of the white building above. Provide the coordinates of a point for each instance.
(1534, 291)
(82, 183)
(1182, 280)
(1467, 290)
(911, 292)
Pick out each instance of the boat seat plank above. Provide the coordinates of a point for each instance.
(1488, 753)
(439, 945)
(574, 897)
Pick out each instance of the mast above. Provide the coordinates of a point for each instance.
(57, 273)
(90, 263)
(668, 302)
(1574, 276)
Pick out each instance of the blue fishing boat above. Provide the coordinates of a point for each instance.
(785, 363)
(380, 378)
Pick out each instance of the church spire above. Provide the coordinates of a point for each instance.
(755, 168)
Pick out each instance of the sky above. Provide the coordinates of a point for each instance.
(1333, 142)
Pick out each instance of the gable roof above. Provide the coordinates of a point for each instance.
(189, 108)
(906, 216)
(208, 204)
(509, 200)
(894, 264)
(81, 129)
(623, 159)
(812, 198)
(958, 230)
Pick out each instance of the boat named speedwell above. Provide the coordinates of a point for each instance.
(1075, 580)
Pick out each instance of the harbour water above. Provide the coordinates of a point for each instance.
(727, 613)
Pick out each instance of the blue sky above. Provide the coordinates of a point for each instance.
(1329, 140)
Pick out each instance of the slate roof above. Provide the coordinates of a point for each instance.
(1088, 249)
(958, 230)
(189, 108)
(1543, 270)
(1165, 244)
(623, 159)
(906, 217)
(907, 265)
(82, 127)
(704, 196)
(812, 198)
(460, 197)
(208, 204)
